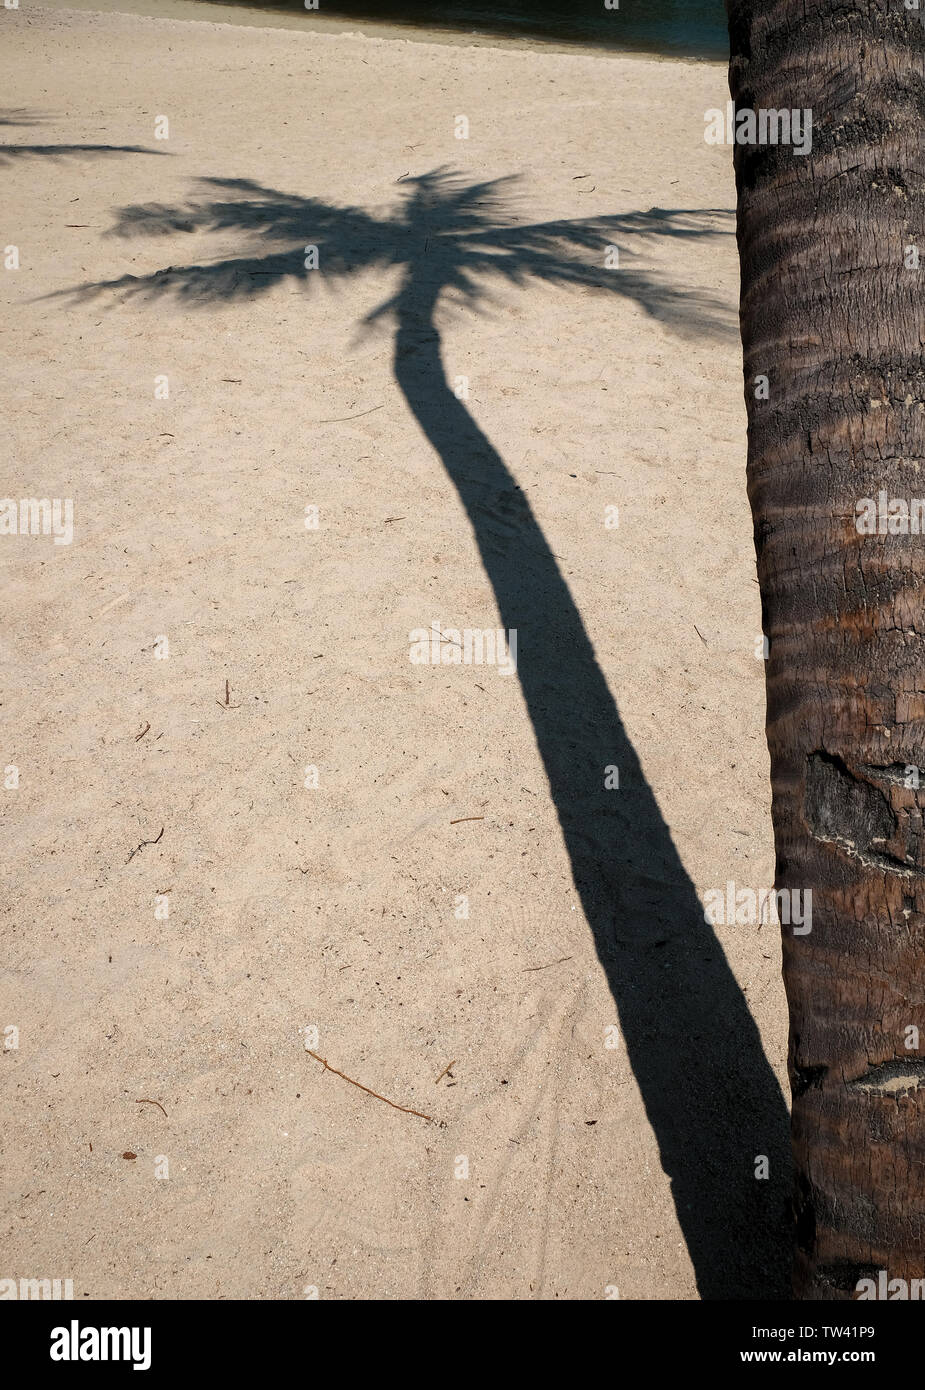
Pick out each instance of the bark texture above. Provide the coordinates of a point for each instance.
(832, 312)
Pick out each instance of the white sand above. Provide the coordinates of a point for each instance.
(335, 906)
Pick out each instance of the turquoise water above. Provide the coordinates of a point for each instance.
(672, 28)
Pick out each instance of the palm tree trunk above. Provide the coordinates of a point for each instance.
(832, 316)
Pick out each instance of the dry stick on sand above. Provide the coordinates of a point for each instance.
(408, 1111)
(460, 819)
(228, 704)
(153, 1102)
(446, 1071)
(142, 845)
(339, 419)
(530, 968)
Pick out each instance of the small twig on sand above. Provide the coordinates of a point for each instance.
(339, 419)
(446, 1071)
(547, 965)
(227, 704)
(153, 1102)
(143, 732)
(408, 1111)
(460, 819)
(700, 635)
(142, 845)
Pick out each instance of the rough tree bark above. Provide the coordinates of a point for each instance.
(833, 314)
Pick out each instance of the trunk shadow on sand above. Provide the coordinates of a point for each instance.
(710, 1095)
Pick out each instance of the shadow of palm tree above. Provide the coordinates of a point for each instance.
(710, 1095)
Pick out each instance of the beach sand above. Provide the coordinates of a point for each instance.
(339, 906)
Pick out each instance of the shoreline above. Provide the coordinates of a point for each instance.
(205, 12)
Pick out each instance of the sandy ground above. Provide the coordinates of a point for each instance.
(336, 906)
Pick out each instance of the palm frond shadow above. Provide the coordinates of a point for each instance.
(10, 153)
(458, 233)
(709, 1092)
(21, 116)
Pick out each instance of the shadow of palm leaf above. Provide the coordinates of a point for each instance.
(21, 116)
(710, 1095)
(9, 153)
